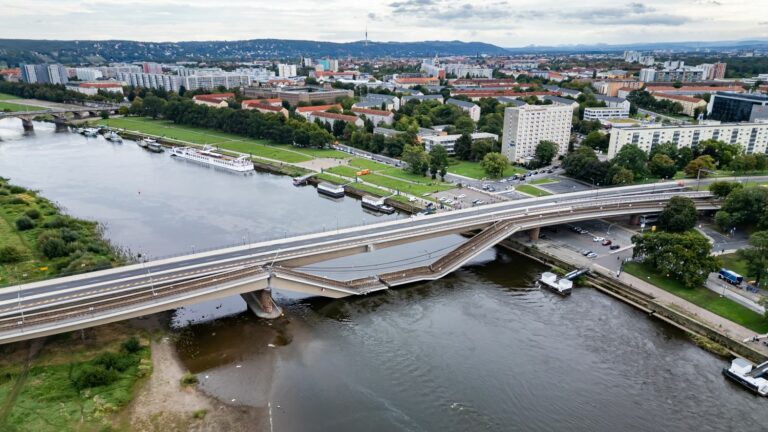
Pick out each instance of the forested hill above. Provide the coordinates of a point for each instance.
(14, 51)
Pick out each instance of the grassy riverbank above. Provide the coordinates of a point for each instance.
(702, 297)
(38, 241)
(12, 107)
(474, 170)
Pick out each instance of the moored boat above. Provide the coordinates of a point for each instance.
(91, 132)
(144, 142)
(113, 136)
(563, 286)
(155, 147)
(748, 375)
(331, 190)
(209, 156)
(377, 204)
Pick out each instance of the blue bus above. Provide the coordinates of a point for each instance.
(731, 277)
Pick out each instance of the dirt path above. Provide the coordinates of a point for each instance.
(164, 405)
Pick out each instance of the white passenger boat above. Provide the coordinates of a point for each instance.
(331, 190)
(145, 142)
(91, 132)
(377, 204)
(748, 375)
(550, 281)
(208, 156)
(113, 136)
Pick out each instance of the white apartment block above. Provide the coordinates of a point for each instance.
(463, 70)
(448, 142)
(88, 74)
(753, 137)
(167, 82)
(286, 70)
(601, 113)
(212, 82)
(526, 126)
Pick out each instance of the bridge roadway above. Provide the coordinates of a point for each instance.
(57, 305)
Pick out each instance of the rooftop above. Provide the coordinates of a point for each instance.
(460, 103)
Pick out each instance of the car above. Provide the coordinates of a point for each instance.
(550, 171)
(614, 247)
(442, 199)
(491, 189)
(586, 252)
(592, 255)
(598, 239)
(462, 196)
(411, 199)
(514, 177)
(478, 202)
(574, 228)
(606, 242)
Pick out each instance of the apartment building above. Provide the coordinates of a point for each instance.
(286, 70)
(214, 81)
(376, 116)
(470, 108)
(448, 142)
(604, 113)
(525, 126)
(153, 81)
(44, 74)
(752, 137)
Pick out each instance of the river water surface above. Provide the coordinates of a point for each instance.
(478, 350)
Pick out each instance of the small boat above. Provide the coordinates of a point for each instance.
(377, 204)
(155, 147)
(113, 136)
(563, 286)
(91, 132)
(748, 375)
(331, 190)
(144, 142)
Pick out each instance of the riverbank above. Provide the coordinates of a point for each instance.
(708, 330)
(37, 240)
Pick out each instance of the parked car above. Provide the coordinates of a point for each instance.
(462, 196)
(614, 247)
(411, 199)
(606, 243)
(586, 252)
(592, 255)
(598, 239)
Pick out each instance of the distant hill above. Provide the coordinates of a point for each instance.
(760, 44)
(14, 51)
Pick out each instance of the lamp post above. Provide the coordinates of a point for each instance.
(698, 176)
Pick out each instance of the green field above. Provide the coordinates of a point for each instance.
(7, 106)
(543, 181)
(475, 171)
(260, 148)
(532, 190)
(702, 297)
(4, 96)
(344, 170)
(368, 164)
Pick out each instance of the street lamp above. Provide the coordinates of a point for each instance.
(698, 176)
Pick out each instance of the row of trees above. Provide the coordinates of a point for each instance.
(643, 99)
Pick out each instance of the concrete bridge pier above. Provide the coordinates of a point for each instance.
(26, 122)
(634, 219)
(533, 233)
(262, 304)
(61, 123)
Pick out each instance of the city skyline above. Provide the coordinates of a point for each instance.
(502, 23)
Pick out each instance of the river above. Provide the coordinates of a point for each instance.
(478, 350)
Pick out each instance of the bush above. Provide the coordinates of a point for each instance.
(32, 214)
(4, 192)
(24, 223)
(88, 376)
(11, 254)
(57, 222)
(114, 361)
(69, 235)
(131, 345)
(199, 414)
(188, 379)
(17, 200)
(16, 189)
(53, 247)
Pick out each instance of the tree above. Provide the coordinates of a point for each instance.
(438, 160)
(681, 256)
(545, 151)
(152, 106)
(416, 158)
(620, 176)
(632, 158)
(463, 147)
(722, 189)
(744, 206)
(104, 114)
(678, 215)
(464, 124)
(596, 140)
(480, 148)
(338, 128)
(699, 167)
(756, 256)
(575, 162)
(494, 164)
(662, 166)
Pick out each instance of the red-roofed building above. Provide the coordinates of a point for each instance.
(307, 110)
(12, 74)
(501, 82)
(409, 82)
(690, 104)
(329, 74)
(330, 118)
(218, 100)
(479, 94)
(375, 116)
(262, 106)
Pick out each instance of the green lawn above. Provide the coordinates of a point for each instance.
(261, 148)
(532, 190)
(404, 186)
(7, 106)
(543, 181)
(369, 164)
(475, 171)
(344, 171)
(702, 297)
(4, 96)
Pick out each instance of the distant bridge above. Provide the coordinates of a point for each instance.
(75, 302)
(59, 114)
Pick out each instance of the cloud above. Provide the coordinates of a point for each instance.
(630, 14)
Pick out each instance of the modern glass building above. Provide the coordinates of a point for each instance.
(737, 107)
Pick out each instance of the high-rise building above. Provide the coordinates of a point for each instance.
(737, 107)
(526, 126)
(682, 74)
(87, 74)
(152, 68)
(286, 70)
(328, 65)
(212, 82)
(166, 82)
(44, 74)
(752, 137)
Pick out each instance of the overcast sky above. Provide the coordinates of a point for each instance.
(507, 23)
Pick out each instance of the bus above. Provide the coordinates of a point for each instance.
(729, 276)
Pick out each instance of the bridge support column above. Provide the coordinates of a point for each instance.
(634, 220)
(533, 234)
(61, 124)
(262, 304)
(26, 122)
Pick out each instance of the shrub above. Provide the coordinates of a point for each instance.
(16, 189)
(32, 214)
(88, 376)
(188, 379)
(24, 223)
(4, 192)
(114, 361)
(131, 345)
(53, 247)
(57, 222)
(17, 200)
(11, 254)
(199, 414)
(69, 235)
